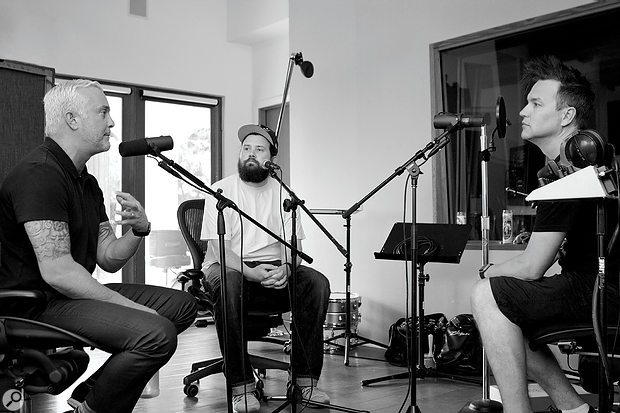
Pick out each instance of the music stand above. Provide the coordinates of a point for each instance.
(443, 243)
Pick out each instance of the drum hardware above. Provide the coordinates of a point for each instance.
(348, 335)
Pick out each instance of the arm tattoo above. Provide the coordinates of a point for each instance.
(105, 230)
(50, 239)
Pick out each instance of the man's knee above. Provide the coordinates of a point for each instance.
(161, 340)
(481, 295)
(318, 283)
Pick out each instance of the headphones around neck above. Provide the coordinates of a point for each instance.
(581, 149)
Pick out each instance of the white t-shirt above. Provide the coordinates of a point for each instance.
(264, 204)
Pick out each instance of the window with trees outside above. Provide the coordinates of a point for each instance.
(194, 123)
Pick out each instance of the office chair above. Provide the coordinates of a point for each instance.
(30, 359)
(259, 322)
(578, 338)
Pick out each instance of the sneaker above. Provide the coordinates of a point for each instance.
(239, 402)
(79, 393)
(314, 394)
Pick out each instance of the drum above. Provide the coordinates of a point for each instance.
(336, 320)
(338, 300)
(339, 320)
(336, 311)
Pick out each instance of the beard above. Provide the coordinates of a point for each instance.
(250, 171)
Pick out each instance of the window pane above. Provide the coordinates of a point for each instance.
(106, 167)
(190, 128)
(475, 74)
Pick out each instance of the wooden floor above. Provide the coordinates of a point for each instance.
(341, 382)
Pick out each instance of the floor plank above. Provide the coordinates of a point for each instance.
(342, 383)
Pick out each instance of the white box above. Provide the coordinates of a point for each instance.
(540, 399)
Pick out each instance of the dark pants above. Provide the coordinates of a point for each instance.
(140, 342)
(312, 301)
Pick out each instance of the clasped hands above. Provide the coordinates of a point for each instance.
(270, 276)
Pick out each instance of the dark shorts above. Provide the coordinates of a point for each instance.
(559, 298)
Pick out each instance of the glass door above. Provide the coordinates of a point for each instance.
(106, 167)
(190, 127)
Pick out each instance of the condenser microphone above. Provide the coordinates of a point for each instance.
(306, 66)
(444, 120)
(146, 146)
(270, 165)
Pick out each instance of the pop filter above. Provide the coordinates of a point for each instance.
(500, 117)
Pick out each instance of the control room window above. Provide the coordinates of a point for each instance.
(469, 75)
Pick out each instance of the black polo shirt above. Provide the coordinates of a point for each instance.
(45, 185)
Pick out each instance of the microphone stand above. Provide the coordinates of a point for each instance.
(414, 170)
(222, 202)
(485, 405)
(293, 393)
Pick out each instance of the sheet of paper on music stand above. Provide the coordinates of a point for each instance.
(584, 183)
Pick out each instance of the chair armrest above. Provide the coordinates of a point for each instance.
(193, 274)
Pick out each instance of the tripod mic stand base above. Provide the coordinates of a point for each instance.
(482, 406)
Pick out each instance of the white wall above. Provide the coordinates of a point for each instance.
(364, 113)
(180, 44)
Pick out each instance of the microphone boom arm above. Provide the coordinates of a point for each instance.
(432, 148)
(289, 73)
(302, 204)
(227, 202)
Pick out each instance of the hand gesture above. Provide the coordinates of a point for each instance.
(131, 212)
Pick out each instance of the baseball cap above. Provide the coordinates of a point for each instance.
(263, 131)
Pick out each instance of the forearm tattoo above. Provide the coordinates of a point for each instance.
(50, 239)
(105, 230)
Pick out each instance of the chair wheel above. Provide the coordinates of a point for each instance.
(262, 372)
(190, 390)
(260, 393)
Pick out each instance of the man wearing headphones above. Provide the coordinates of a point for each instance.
(515, 297)
(258, 268)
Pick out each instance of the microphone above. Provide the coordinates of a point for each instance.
(146, 146)
(270, 165)
(306, 67)
(444, 120)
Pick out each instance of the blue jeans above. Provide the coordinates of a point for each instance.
(140, 343)
(312, 302)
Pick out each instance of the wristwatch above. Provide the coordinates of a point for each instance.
(484, 269)
(142, 233)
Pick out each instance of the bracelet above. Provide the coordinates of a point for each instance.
(483, 270)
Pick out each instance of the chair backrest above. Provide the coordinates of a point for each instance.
(189, 217)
